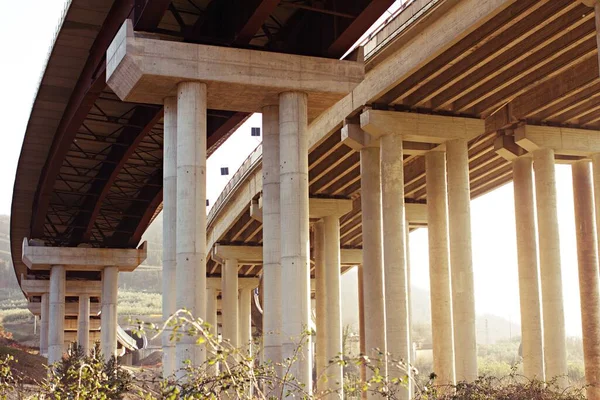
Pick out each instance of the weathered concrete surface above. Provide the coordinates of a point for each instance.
(439, 268)
(589, 281)
(529, 285)
(555, 352)
(372, 282)
(394, 255)
(191, 212)
(461, 261)
(271, 250)
(110, 281)
(148, 70)
(82, 258)
(169, 272)
(295, 257)
(83, 323)
(56, 320)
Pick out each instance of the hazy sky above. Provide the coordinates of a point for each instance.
(25, 49)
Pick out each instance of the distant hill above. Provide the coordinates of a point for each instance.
(7, 274)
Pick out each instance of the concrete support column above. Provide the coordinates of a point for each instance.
(83, 323)
(56, 313)
(271, 279)
(169, 274)
(211, 318)
(373, 290)
(320, 306)
(361, 324)
(589, 285)
(229, 300)
(108, 322)
(439, 268)
(461, 261)
(245, 319)
(191, 212)
(295, 257)
(333, 306)
(553, 317)
(211, 310)
(394, 254)
(44, 324)
(529, 287)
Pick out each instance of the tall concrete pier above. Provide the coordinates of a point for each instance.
(529, 283)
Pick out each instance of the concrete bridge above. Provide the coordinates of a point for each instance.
(448, 101)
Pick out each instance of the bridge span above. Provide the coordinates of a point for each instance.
(449, 100)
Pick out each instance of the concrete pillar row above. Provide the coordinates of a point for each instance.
(44, 324)
(169, 273)
(529, 287)
(589, 284)
(394, 255)
(372, 268)
(553, 315)
(295, 257)
(439, 267)
(271, 279)
(461, 260)
(83, 323)
(56, 313)
(191, 213)
(229, 299)
(108, 316)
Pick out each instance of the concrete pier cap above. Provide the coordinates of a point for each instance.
(82, 258)
(144, 70)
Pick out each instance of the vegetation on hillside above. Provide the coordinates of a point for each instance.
(230, 372)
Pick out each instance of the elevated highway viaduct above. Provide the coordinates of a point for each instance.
(446, 102)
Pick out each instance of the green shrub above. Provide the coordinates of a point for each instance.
(7, 380)
(80, 376)
(511, 387)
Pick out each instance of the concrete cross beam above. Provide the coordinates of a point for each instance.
(82, 258)
(353, 136)
(317, 207)
(506, 148)
(37, 287)
(415, 214)
(71, 324)
(215, 283)
(147, 70)
(71, 309)
(564, 141)
(416, 127)
(254, 255)
(71, 336)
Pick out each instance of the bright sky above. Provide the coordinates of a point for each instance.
(494, 244)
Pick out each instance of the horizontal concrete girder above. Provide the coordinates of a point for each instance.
(254, 254)
(416, 127)
(317, 208)
(36, 287)
(71, 324)
(415, 214)
(71, 309)
(215, 283)
(145, 70)
(82, 258)
(564, 141)
(71, 336)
